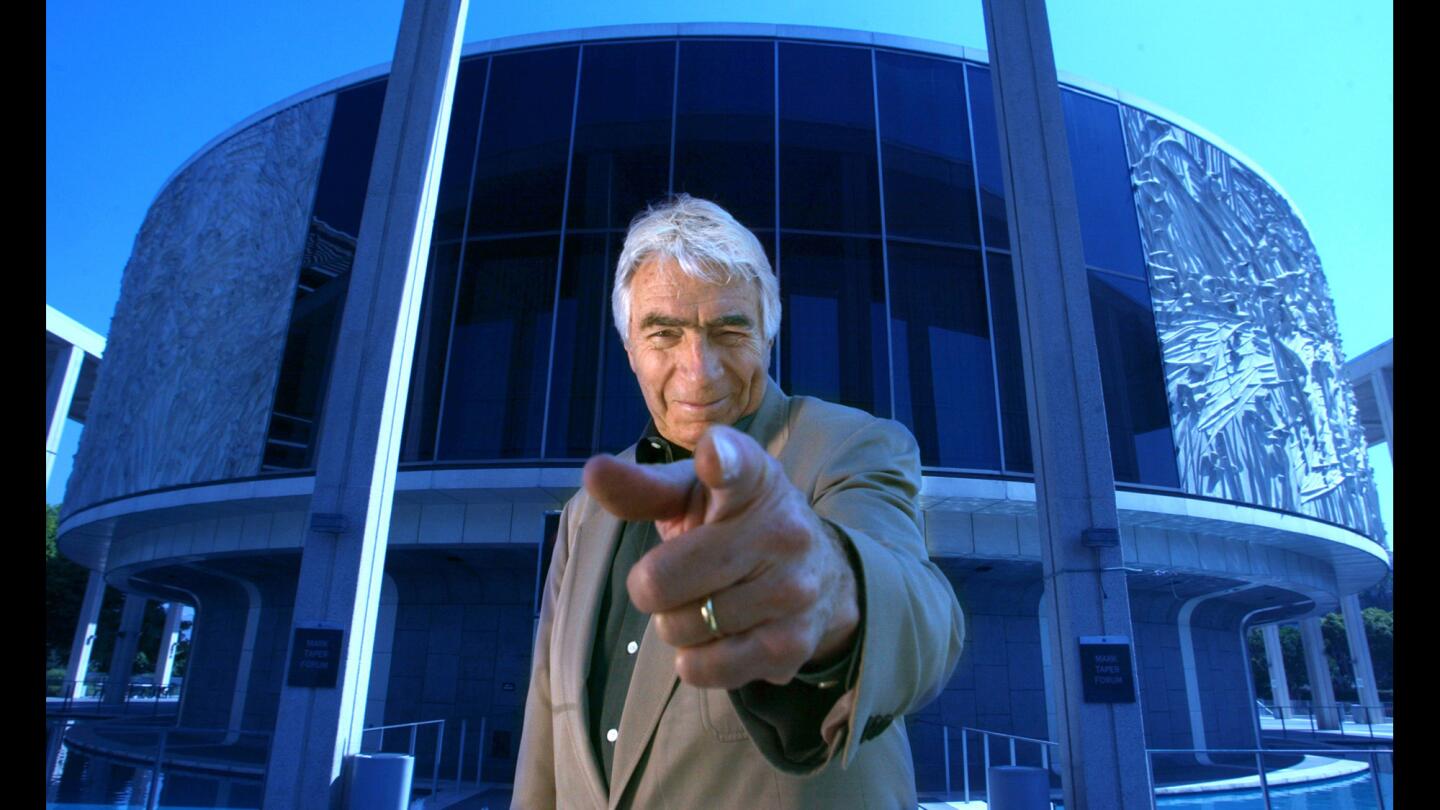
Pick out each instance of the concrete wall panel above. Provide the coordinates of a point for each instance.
(194, 347)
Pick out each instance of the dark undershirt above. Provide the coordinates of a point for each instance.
(621, 629)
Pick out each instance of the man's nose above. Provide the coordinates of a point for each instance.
(701, 362)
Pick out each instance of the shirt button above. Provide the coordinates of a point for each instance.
(611, 735)
(631, 647)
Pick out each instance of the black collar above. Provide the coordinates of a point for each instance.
(656, 449)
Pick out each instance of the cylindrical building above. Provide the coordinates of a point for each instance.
(868, 167)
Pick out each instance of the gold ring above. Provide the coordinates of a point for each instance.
(707, 612)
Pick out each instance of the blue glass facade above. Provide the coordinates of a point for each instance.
(872, 178)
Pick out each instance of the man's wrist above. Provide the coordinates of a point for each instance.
(836, 667)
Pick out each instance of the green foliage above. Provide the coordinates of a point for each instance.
(52, 526)
(1381, 594)
(65, 583)
(1337, 652)
(1379, 632)
(64, 590)
(1292, 651)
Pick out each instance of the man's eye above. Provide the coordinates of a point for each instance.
(665, 334)
(734, 337)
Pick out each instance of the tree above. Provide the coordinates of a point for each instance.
(1381, 594)
(1292, 651)
(1337, 651)
(1379, 633)
(65, 583)
(64, 590)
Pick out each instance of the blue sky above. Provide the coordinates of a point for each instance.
(1305, 89)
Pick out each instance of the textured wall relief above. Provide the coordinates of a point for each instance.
(194, 346)
(1260, 408)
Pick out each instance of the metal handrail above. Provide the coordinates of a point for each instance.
(414, 729)
(984, 736)
(440, 748)
(1312, 712)
(79, 689)
(1371, 755)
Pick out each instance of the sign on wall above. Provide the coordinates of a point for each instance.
(1105, 669)
(315, 657)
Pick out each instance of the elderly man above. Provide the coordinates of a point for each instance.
(740, 609)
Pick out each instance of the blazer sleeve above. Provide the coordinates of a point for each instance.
(535, 783)
(912, 629)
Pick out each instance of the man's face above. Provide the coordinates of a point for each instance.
(697, 350)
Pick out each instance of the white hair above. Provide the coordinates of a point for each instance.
(707, 244)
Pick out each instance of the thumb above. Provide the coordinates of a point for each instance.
(636, 492)
(734, 467)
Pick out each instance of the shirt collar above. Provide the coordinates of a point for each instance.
(656, 449)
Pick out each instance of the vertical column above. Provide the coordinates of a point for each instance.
(1317, 666)
(1275, 657)
(1363, 668)
(165, 656)
(1102, 745)
(344, 553)
(84, 635)
(59, 391)
(127, 641)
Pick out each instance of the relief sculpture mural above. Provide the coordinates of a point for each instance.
(194, 349)
(1253, 366)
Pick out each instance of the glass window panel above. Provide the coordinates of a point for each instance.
(581, 328)
(345, 173)
(829, 180)
(432, 341)
(1136, 407)
(944, 378)
(833, 333)
(460, 150)
(1108, 224)
(622, 132)
(925, 149)
(1009, 365)
(987, 159)
(623, 413)
(524, 143)
(500, 353)
(304, 372)
(725, 127)
(323, 276)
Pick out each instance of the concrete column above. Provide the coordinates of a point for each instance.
(84, 641)
(59, 391)
(127, 641)
(169, 638)
(1385, 405)
(1102, 745)
(344, 553)
(1360, 662)
(1275, 658)
(1317, 666)
(1198, 737)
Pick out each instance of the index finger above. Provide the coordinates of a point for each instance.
(693, 566)
(632, 491)
(735, 468)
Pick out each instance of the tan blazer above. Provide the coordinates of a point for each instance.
(686, 748)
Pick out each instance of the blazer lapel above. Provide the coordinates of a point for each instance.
(590, 555)
(771, 426)
(651, 686)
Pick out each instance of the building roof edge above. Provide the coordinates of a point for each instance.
(739, 29)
